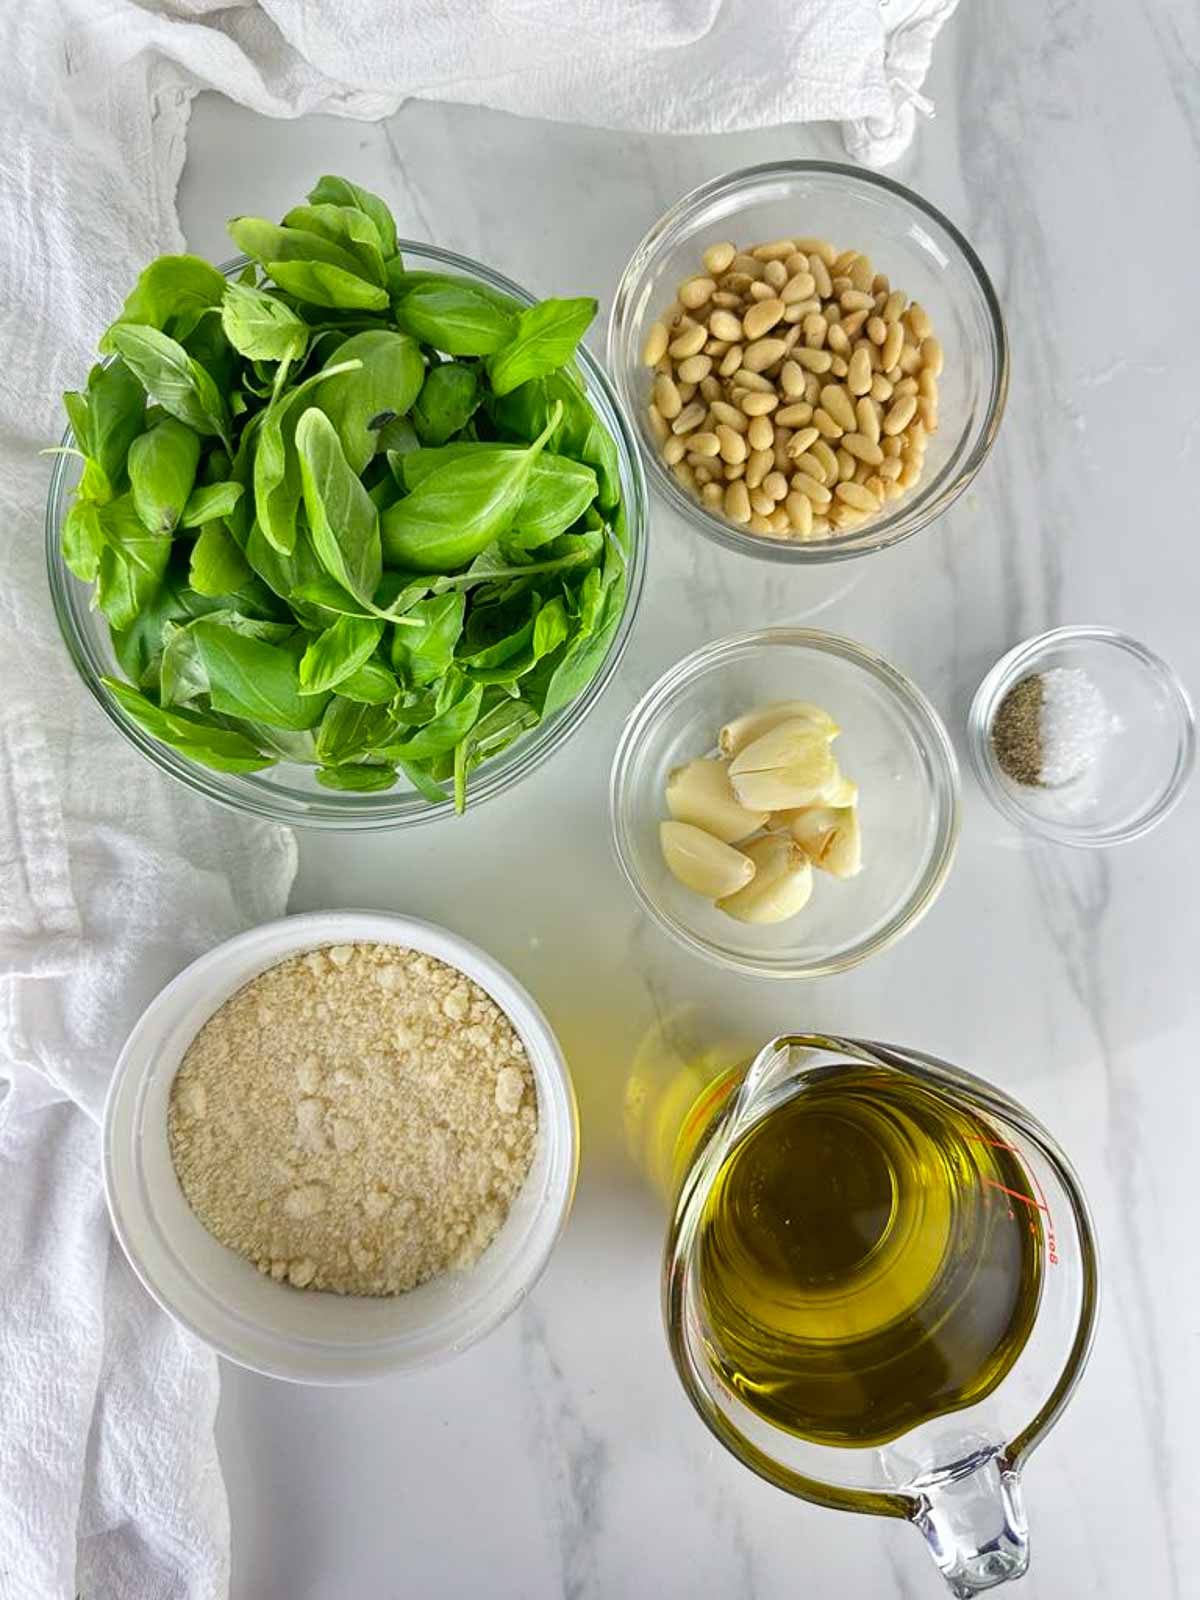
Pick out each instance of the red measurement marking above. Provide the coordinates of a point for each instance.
(995, 1144)
(1016, 1194)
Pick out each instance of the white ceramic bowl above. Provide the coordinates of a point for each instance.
(223, 1299)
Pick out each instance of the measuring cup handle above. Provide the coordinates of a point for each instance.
(973, 1520)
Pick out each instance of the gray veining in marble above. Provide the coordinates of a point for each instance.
(560, 1458)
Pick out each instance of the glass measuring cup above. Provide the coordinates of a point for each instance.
(956, 1475)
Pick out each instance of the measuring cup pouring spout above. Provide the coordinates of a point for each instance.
(1006, 1208)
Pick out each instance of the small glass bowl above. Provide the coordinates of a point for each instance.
(288, 792)
(1145, 765)
(893, 744)
(908, 239)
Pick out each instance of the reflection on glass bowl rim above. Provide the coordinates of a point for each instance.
(288, 793)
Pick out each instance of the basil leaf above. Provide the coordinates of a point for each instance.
(276, 469)
(221, 748)
(172, 293)
(348, 227)
(350, 729)
(384, 384)
(523, 413)
(460, 508)
(273, 246)
(373, 684)
(453, 314)
(545, 339)
(446, 403)
(82, 540)
(132, 562)
(440, 735)
(183, 673)
(343, 521)
(217, 566)
(583, 657)
(261, 325)
(107, 417)
(250, 678)
(421, 655)
(172, 378)
(209, 501)
(341, 192)
(358, 779)
(162, 469)
(322, 284)
(559, 491)
(338, 653)
(422, 782)
(495, 731)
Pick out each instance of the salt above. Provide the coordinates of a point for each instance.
(1075, 724)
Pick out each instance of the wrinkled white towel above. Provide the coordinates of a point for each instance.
(111, 878)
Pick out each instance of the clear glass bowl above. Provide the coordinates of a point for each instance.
(893, 744)
(289, 793)
(908, 239)
(1145, 764)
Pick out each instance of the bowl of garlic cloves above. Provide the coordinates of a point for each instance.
(785, 803)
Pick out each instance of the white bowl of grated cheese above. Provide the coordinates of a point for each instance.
(252, 1314)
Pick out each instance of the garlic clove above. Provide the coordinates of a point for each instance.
(830, 837)
(701, 863)
(840, 791)
(736, 735)
(781, 884)
(700, 793)
(795, 741)
(790, 766)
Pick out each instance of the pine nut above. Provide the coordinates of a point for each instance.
(711, 389)
(837, 338)
(758, 405)
(761, 501)
(656, 344)
(724, 325)
(761, 318)
(666, 397)
(859, 378)
(877, 330)
(901, 414)
(876, 486)
(791, 379)
(891, 446)
(694, 292)
(812, 388)
(918, 321)
(690, 417)
(737, 503)
(881, 389)
(861, 274)
(894, 307)
(846, 465)
(761, 434)
(838, 405)
(695, 368)
(725, 298)
(800, 287)
(829, 428)
(739, 282)
(815, 492)
(775, 484)
(855, 300)
(815, 330)
(927, 384)
(777, 250)
(712, 495)
(775, 273)
(743, 378)
(730, 361)
(826, 457)
(814, 360)
(820, 272)
(909, 475)
(892, 346)
(684, 475)
(763, 353)
(658, 424)
(731, 444)
(723, 412)
(861, 472)
(734, 470)
(758, 464)
(761, 291)
(796, 262)
(905, 386)
(689, 342)
(778, 521)
(852, 322)
(865, 449)
(797, 415)
(799, 513)
(820, 528)
(807, 463)
(928, 412)
(783, 462)
(855, 496)
(821, 248)
(890, 468)
(718, 257)
(910, 360)
(868, 418)
(674, 450)
(704, 444)
(801, 440)
(931, 354)
(700, 469)
(687, 392)
(844, 518)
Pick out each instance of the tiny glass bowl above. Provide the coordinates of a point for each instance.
(892, 744)
(910, 241)
(1144, 764)
(289, 792)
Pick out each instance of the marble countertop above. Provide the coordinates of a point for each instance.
(560, 1457)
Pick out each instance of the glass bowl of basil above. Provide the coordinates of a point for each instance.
(349, 532)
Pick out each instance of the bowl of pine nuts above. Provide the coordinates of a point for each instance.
(815, 358)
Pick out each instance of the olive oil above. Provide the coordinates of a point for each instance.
(869, 1258)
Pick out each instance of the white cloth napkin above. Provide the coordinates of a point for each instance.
(111, 878)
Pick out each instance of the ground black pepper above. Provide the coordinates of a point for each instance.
(1017, 731)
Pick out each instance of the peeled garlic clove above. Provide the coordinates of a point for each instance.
(830, 837)
(702, 863)
(700, 793)
(781, 884)
(790, 743)
(840, 791)
(736, 735)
